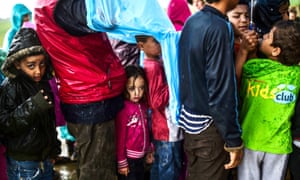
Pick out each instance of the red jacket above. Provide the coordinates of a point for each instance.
(86, 66)
(162, 127)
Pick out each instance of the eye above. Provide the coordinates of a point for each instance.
(142, 88)
(42, 64)
(131, 88)
(31, 66)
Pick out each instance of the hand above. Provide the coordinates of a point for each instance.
(249, 41)
(124, 171)
(149, 158)
(235, 158)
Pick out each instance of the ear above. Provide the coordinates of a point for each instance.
(276, 51)
(140, 45)
(17, 65)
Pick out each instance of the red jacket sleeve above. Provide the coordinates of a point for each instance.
(158, 87)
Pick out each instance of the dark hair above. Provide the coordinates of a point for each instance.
(141, 38)
(135, 71)
(293, 10)
(211, 1)
(286, 36)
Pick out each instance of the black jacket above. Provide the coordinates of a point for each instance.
(27, 121)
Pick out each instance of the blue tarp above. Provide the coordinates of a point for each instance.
(123, 19)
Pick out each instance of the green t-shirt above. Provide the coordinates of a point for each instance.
(268, 91)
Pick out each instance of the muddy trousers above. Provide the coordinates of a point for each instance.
(95, 145)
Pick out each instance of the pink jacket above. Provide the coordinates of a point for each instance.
(178, 12)
(132, 133)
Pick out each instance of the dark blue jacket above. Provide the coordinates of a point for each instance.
(208, 90)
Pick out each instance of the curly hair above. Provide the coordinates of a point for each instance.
(286, 36)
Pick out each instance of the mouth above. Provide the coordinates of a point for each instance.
(243, 28)
(37, 78)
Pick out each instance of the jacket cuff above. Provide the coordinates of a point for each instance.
(39, 100)
(233, 149)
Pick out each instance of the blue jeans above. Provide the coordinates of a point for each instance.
(29, 170)
(168, 159)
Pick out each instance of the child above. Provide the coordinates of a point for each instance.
(239, 18)
(20, 15)
(27, 118)
(166, 136)
(132, 127)
(269, 92)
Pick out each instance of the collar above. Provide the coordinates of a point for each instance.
(208, 8)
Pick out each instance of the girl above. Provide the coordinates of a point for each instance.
(27, 119)
(132, 127)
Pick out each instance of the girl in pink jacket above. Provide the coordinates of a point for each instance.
(133, 144)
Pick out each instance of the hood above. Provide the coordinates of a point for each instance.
(25, 43)
(255, 68)
(18, 11)
(178, 12)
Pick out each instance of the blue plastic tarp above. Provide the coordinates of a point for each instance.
(123, 19)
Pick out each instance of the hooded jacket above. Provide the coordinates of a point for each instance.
(178, 12)
(85, 65)
(3, 55)
(26, 119)
(18, 11)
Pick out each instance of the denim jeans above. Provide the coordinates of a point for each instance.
(29, 170)
(168, 159)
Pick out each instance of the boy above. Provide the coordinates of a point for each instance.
(27, 118)
(269, 92)
(167, 137)
(208, 89)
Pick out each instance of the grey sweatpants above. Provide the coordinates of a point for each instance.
(257, 165)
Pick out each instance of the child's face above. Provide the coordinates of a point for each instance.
(239, 18)
(292, 16)
(265, 46)
(26, 18)
(151, 48)
(33, 66)
(135, 88)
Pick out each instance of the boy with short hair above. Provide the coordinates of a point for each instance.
(269, 93)
(167, 137)
(27, 118)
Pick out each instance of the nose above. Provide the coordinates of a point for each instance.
(37, 70)
(243, 18)
(136, 92)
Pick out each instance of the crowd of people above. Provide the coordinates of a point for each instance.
(239, 81)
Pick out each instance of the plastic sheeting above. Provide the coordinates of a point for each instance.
(123, 19)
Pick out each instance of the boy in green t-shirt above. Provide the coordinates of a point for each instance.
(269, 90)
